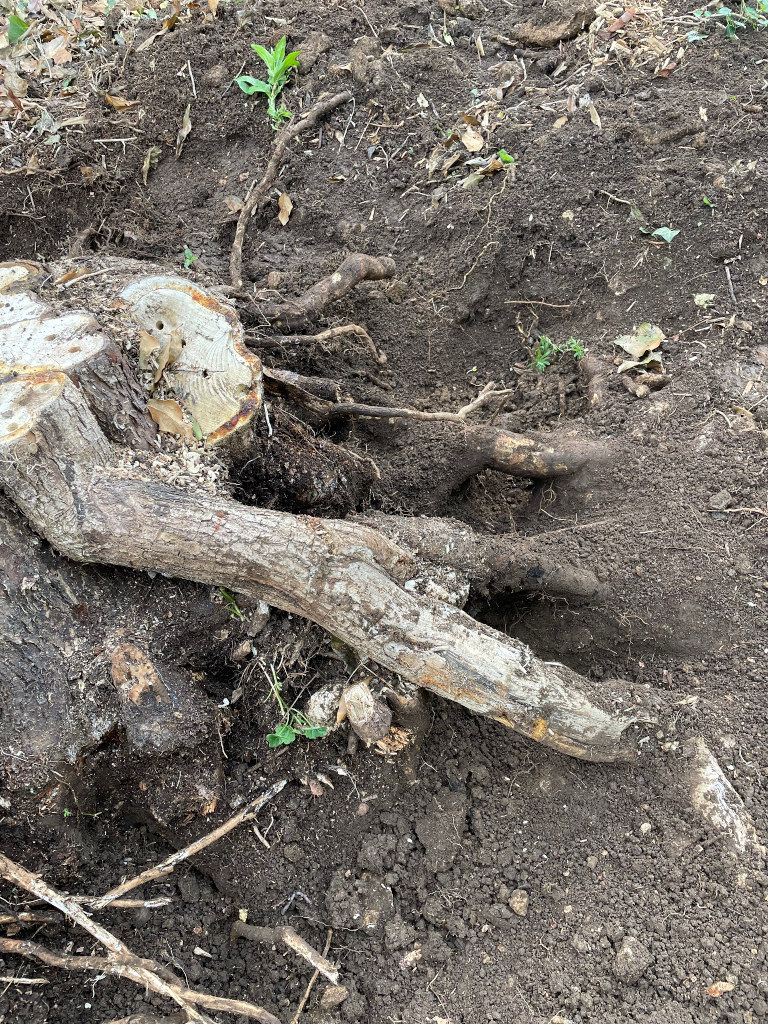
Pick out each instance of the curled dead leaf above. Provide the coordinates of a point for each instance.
(186, 128)
(561, 122)
(150, 161)
(594, 117)
(645, 338)
(119, 102)
(168, 415)
(285, 206)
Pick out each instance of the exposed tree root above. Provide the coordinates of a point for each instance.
(490, 564)
(258, 190)
(58, 467)
(718, 803)
(291, 939)
(295, 313)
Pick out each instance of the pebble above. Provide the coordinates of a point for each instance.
(646, 827)
(592, 862)
(333, 996)
(632, 960)
(363, 809)
(518, 902)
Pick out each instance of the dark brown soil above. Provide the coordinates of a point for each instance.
(423, 853)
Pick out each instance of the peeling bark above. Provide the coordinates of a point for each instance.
(60, 470)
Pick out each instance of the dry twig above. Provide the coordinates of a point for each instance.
(290, 938)
(312, 980)
(166, 867)
(257, 191)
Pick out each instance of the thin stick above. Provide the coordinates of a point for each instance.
(166, 867)
(312, 980)
(6, 979)
(731, 292)
(384, 412)
(136, 969)
(287, 135)
(291, 938)
(536, 302)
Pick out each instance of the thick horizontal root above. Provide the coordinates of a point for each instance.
(295, 313)
(57, 466)
(491, 564)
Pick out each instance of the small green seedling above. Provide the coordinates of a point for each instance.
(504, 156)
(546, 350)
(231, 603)
(292, 723)
(745, 17)
(279, 64)
(189, 257)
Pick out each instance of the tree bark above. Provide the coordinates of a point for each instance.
(59, 469)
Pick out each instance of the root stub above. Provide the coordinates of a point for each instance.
(56, 466)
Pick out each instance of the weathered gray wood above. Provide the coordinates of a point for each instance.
(57, 466)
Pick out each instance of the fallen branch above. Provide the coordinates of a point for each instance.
(250, 810)
(290, 938)
(143, 972)
(257, 191)
(57, 466)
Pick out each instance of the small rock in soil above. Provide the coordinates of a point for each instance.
(518, 902)
(632, 960)
(333, 996)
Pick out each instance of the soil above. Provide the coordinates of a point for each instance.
(418, 862)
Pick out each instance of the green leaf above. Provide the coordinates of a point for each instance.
(263, 52)
(282, 736)
(666, 233)
(250, 85)
(504, 156)
(16, 28)
(314, 732)
(278, 54)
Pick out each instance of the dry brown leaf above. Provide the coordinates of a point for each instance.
(594, 117)
(473, 140)
(213, 6)
(186, 128)
(15, 84)
(233, 203)
(175, 345)
(119, 103)
(162, 357)
(150, 162)
(561, 121)
(148, 345)
(168, 415)
(285, 206)
(57, 50)
(470, 119)
(72, 275)
(491, 168)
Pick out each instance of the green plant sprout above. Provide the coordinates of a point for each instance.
(745, 17)
(279, 64)
(292, 722)
(546, 350)
(230, 602)
(189, 257)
